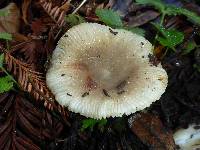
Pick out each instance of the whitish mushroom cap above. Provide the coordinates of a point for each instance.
(100, 72)
(188, 139)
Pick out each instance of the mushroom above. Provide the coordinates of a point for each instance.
(188, 139)
(101, 72)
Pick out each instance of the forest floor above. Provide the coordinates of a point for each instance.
(31, 119)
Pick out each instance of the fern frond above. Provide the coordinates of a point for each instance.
(56, 13)
(10, 136)
(25, 126)
(32, 82)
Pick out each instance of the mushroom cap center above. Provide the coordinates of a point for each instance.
(108, 69)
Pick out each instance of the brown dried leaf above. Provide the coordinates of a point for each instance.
(38, 27)
(19, 131)
(27, 144)
(9, 138)
(31, 51)
(32, 118)
(2, 29)
(66, 6)
(20, 37)
(49, 118)
(50, 44)
(56, 13)
(142, 18)
(25, 9)
(151, 131)
(5, 137)
(11, 22)
(17, 145)
(26, 76)
(159, 51)
(193, 7)
(24, 123)
(5, 126)
(110, 4)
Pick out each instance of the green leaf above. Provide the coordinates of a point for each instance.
(1, 60)
(90, 123)
(173, 10)
(6, 84)
(109, 17)
(112, 18)
(196, 67)
(158, 4)
(170, 37)
(135, 30)
(74, 19)
(5, 36)
(4, 13)
(190, 46)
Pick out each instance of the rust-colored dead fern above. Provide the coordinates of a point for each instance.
(30, 50)
(56, 13)
(23, 126)
(10, 138)
(32, 82)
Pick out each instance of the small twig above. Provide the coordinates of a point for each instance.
(82, 3)
(56, 36)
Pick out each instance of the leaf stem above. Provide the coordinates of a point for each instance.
(165, 53)
(4, 70)
(161, 24)
(162, 18)
(7, 45)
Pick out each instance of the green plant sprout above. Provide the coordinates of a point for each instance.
(90, 123)
(74, 19)
(191, 45)
(6, 82)
(197, 67)
(170, 10)
(112, 19)
(4, 13)
(4, 35)
(170, 37)
(109, 17)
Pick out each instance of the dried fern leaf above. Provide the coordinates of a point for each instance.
(9, 137)
(32, 82)
(56, 13)
(24, 126)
